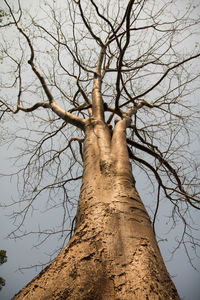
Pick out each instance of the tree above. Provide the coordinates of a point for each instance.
(111, 85)
(3, 259)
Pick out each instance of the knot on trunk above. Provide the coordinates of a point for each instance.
(106, 167)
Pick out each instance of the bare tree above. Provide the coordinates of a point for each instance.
(106, 87)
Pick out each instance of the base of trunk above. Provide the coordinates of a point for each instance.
(87, 269)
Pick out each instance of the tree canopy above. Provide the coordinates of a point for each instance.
(141, 58)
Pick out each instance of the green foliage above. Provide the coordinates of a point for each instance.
(2, 282)
(3, 14)
(3, 259)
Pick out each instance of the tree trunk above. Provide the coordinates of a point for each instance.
(113, 253)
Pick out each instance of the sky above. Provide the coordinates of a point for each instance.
(22, 254)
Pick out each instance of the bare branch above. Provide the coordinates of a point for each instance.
(161, 79)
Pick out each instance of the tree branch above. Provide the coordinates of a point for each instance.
(169, 167)
(160, 80)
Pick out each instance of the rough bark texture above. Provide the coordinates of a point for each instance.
(113, 253)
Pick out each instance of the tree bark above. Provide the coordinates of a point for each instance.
(113, 253)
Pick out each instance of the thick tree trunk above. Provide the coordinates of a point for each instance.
(113, 253)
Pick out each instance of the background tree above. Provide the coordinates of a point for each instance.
(3, 259)
(99, 69)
